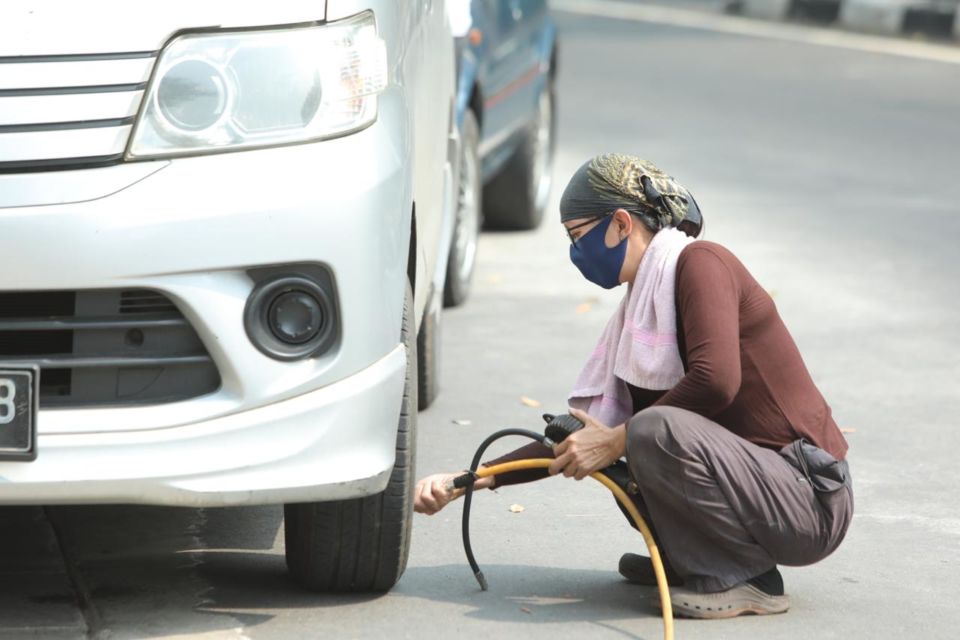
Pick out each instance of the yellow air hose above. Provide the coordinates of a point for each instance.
(624, 499)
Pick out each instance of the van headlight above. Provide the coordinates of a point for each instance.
(228, 91)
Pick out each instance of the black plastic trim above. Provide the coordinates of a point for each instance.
(109, 347)
(65, 126)
(59, 164)
(73, 362)
(78, 57)
(63, 91)
(81, 323)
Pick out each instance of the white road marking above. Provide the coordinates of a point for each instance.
(738, 25)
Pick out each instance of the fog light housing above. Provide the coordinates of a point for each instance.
(295, 317)
(290, 318)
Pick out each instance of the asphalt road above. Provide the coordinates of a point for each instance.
(831, 172)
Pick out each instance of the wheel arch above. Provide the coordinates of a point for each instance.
(412, 250)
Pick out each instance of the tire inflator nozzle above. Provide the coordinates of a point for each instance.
(464, 481)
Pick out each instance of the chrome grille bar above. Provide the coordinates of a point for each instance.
(65, 109)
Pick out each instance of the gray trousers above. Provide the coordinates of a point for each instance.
(724, 510)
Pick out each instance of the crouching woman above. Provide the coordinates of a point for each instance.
(696, 381)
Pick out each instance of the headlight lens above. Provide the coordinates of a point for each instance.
(192, 95)
(261, 88)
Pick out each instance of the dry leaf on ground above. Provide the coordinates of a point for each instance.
(516, 508)
(530, 402)
(847, 430)
(584, 308)
(525, 610)
(462, 423)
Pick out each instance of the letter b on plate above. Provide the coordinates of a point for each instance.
(8, 394)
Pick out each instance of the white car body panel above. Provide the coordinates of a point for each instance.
(50, 27)
(317, 429)
(424, 59)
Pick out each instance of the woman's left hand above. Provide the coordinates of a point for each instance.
(594, 447)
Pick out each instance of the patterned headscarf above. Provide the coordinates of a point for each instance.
(617, 181)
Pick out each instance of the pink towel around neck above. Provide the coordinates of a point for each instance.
(639, 344)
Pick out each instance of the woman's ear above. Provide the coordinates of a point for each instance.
(624, 222)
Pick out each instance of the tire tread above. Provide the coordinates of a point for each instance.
(361, 544)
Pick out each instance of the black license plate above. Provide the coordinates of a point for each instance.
(19, 398)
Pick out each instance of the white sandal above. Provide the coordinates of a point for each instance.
(739, 600)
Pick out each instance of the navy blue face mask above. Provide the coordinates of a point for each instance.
(597, 262)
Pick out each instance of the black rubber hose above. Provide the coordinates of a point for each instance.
(467, 480)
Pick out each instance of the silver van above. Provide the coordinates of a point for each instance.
(224, 229)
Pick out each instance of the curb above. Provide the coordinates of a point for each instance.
(877, 16)
(936, 18)
(767, 9)
(894, 17)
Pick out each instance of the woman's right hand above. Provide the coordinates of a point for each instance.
(431, 494)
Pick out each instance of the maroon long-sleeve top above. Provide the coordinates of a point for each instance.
(742, 367)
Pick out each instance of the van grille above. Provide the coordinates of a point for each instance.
(67, 110)
(110, 347)
(145, 302)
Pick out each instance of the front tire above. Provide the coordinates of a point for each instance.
(361, 544)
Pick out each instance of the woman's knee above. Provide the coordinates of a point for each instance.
(658, 432)
(649, 442)
(647, 429)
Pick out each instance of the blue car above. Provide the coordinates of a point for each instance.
(506, 57)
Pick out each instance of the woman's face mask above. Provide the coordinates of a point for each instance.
(597, 262)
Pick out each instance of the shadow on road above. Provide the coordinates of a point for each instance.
(534, 594)
(144, 568)
(152, 571)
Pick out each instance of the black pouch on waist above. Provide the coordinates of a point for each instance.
(825, 473)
